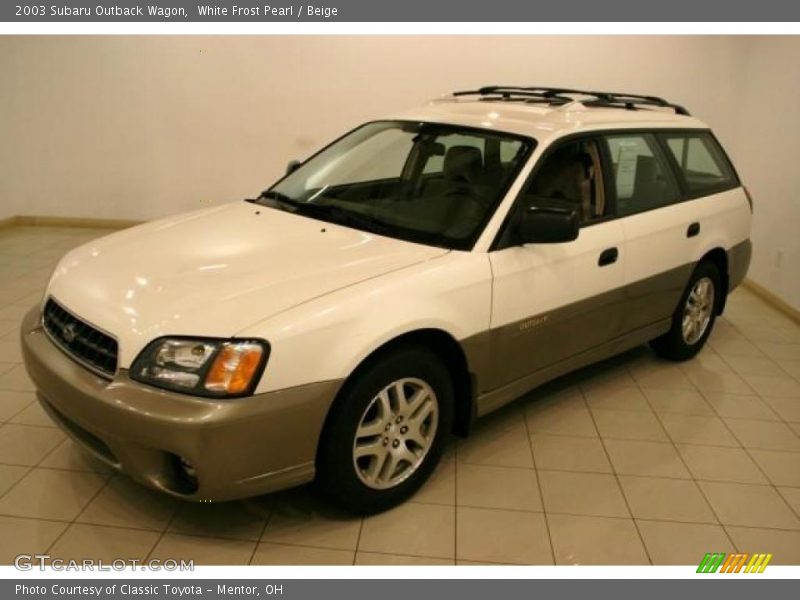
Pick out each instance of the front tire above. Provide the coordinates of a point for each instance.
(386, 432)
(694, 318)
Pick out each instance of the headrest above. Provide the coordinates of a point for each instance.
(462, 162)
(646, 169)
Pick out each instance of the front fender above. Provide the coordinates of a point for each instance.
(328, 337)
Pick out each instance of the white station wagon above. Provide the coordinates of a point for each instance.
(417, 273)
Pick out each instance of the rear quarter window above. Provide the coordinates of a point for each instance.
(702, 164)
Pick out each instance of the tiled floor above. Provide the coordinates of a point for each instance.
(633, 461)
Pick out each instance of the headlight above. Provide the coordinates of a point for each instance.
(203, 367)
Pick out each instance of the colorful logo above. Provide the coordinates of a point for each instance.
(714, 562)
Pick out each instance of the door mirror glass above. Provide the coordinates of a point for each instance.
(293, 166)
(539, 225)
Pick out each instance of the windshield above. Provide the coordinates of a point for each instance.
(424, 182)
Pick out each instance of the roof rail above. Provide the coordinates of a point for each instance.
(562, 96)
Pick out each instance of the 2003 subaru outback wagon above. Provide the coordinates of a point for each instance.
(417, 273)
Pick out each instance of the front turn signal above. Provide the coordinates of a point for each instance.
(234, 368)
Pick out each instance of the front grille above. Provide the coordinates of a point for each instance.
(89, 346)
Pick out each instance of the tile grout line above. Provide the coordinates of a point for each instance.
(755, 392)
(29, 467)
(79, 513)
(241, 539)
(68, 469)
(163, 532)
(730, 537)
(358, 540)
(24, 408)
(756, 343)
(104, 525)
(790, 375)
(455, 504)
(108, 484)
(107, 477)
(33, 468)
(763, 354)
(758, 466)
(747, 450)
(697, 485)
(624, 439)
(9, 422)
(260, 536)
(17, 482)
(614, 472)
(791, 508)
(539, 487)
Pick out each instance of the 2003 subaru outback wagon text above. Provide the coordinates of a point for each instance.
(417, 273)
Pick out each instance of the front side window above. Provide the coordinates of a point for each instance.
(424, 182)
(702, 163)
(571, 178)
(642, 178)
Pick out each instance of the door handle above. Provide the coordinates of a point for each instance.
(693, 230)
(607, 257)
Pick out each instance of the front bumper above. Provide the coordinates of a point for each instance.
(236, 448)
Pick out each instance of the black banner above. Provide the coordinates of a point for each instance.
(402, 11)
(733, 588)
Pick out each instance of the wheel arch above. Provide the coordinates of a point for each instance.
(446, 347)
(719, 257)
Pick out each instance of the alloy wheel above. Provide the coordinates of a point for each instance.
(698, 310)
(395, 433)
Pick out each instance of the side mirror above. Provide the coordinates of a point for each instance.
(537, 225)
(293, 166)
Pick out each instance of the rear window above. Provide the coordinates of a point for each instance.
(701, 162)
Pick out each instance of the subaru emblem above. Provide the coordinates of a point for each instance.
(69, 333)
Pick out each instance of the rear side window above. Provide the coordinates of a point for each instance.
(701, 162)
(642, 178)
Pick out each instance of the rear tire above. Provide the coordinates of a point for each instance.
(694, 318)
(386, 432)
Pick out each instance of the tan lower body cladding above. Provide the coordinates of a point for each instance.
(512, 359)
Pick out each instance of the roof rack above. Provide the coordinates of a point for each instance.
(563, 96)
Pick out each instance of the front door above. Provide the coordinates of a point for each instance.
(554, 301)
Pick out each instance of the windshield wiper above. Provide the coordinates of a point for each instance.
(337, 214)
(325, 212)
(277, 197)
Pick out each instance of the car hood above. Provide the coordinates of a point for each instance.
(217, 271)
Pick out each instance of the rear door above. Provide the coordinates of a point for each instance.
(713, 197)
(661, 231)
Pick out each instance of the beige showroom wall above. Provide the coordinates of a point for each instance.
(139, 127)
(767, 153)
(143, 126)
